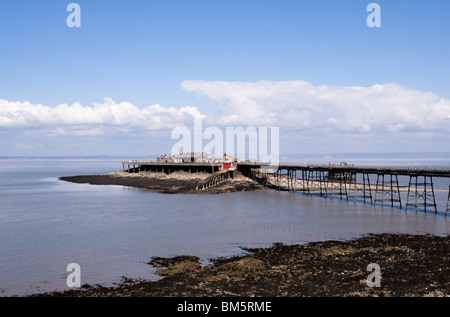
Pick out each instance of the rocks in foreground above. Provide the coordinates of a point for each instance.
(410, 265)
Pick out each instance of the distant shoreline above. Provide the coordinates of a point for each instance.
(174, 183)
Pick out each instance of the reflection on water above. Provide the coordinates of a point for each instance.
(111, 231)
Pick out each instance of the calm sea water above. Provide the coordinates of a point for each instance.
(111, 231)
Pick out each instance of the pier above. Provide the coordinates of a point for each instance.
(373, 185)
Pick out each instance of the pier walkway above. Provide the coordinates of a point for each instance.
(215, 179)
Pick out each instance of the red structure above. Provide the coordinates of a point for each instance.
(228, 162)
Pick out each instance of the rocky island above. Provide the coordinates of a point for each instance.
(178, 182)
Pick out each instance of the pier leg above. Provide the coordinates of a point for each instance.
(393, 190)
(416, 196)
(407, 195)
(295, 180)
(331, 184)
(278, 179)
(306, 180)
(355, 189)
(366, 178)
(324, 182)
(448, 199)
(318, 178)
(377, 190)
(345, 186)
(433, 196)
(342, 186)
(422, 197)
(362, 190)
(352, 186)
(310, 181)
(290, 180)
(394, 184)
(425, 193)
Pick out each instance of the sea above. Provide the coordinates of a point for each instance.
(112, 232)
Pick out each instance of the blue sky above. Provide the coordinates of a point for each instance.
(194, 57)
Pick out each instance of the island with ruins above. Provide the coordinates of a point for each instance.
(185, 173)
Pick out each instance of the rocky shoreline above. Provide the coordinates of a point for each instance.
(410, 266)
(174, 183)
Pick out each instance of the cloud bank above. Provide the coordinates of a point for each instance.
(293, 105)
(318, 118)
(299, 105)
(110, 113)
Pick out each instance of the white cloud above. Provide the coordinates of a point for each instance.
(319, 118)
(291, 105)
(110, 113)
(77, 131)
(299, 105)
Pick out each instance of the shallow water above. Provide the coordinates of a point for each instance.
(111, 231)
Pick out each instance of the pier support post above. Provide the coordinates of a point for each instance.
(421, 194)
(364, 187)
(448, 200)
(323, 183)
(342, 181)
(377, 189)
(366, 179)
(395, 191)
(278, 179)
(291, 179)
(353, 185)
(319, 179)
(309, 183)
(392, 189)
(305, 187)
(294, 180)
(313, 182)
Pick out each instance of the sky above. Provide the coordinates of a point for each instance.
(135, 70)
